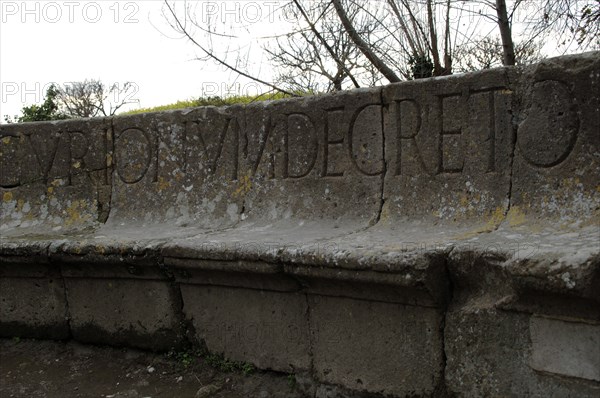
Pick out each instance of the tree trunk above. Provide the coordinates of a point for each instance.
(508, 47)
(385, 70)
(437, 67)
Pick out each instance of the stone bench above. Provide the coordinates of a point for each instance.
(431, 237)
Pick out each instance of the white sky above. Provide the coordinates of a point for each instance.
(114, 41)
(62, 41)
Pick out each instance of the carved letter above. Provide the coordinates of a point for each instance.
(78, 148)
(10, 161)
(552, 119)
(45, 162)
(408, 134)
(367, 121)
(300, 130)
(133, 152)
(329, 129)
(451, 134)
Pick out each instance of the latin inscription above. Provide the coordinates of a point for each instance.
(433, 135)
(62, 158)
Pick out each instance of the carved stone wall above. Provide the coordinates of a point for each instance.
(431, 237)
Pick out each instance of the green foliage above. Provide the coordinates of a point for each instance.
(170, 107)
(185, 357)
(589, 28)
(212, 101)
(219, 362)
(421, 66)
(291, 378)
(48, 110)
(189, 356)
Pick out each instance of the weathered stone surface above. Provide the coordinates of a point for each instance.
(492, 338)
(449, 148)
(32, 302)
(55, 175)
(310, 169)
(138, 313)
(557, 162)
(565, 348)
(376, 347)
(462, 209)
(267, 328)
(315, 159)
(178, 167)
(489, 353)
(252, 275)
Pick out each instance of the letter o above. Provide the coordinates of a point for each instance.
(548, 134)
(132, 155)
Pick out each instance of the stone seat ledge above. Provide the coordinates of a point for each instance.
(432, 213)
(551, 260)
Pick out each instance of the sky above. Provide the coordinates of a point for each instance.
(42, 42)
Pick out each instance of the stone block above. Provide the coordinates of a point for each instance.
(179, 166)
(266, 328)
(565, 348)
(377, 347)
(492, 352)
(33, 308)
(448, 147)
(556, 162)
(128, 312)
(55, 175)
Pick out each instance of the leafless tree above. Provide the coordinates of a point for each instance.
(337, 44)
(565, 22)
(317, 55)
(92, 98)
(488, 53)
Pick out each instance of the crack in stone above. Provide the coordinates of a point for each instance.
(384, 159)
(66, 297)
(104, 208)
(515, 126)
(442, 388)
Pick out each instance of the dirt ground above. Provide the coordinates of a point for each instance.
(30, 368)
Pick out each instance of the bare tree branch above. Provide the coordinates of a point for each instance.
(363, 46)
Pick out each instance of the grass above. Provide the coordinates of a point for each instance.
(214, 101)
(291, 378)
(219, 362)
(188, 357)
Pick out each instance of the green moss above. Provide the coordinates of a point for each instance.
(218, 361)
(189, 356)
(215, 101)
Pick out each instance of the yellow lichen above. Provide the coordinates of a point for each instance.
(515, 216)
(75, 213)
(7, 197)
(163, 184)
(496, 218)
(492, 223)
(245, 186)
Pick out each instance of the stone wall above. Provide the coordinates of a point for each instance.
(434, 237)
